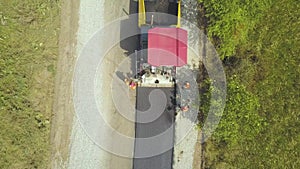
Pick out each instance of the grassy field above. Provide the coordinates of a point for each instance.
(259, 43)
(28, 52)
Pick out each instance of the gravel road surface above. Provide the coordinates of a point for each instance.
(84, 153)
(185, 156)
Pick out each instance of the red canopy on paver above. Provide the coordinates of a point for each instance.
(167, 47)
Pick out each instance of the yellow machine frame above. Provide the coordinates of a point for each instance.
(142, 13)
(179, 14)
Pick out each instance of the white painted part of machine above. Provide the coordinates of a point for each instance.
(153, 69)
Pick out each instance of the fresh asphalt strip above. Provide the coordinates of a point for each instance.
(161, 127)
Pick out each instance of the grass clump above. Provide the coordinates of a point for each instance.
(259, 44)
(28, 49)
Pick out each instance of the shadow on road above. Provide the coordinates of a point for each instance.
(130, 27)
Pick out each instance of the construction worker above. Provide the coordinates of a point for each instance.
(185, 108)
(186, 85)
(132, 85)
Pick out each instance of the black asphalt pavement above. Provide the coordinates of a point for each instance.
(162, 124)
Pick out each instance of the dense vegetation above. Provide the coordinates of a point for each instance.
(258, 41)
(28, 50)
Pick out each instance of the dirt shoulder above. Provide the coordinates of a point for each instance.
(62, 107)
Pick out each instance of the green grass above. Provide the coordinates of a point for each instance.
(28, 50)
(259, 44)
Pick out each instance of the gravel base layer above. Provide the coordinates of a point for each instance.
(84, 153)
(184, 149)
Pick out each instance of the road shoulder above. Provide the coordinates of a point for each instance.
(63, 111)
